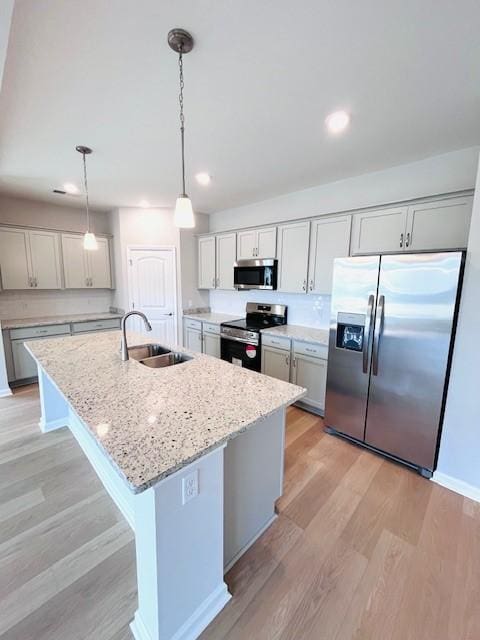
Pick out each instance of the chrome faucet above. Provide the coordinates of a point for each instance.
(123, 344)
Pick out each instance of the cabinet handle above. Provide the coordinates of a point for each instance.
(294, 362)
(407, 243)
(36, 282)
(287, 359)
(304, 286)
(30, 282)
(311, 285)
(401, 240)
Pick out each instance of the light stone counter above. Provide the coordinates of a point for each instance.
(152, 422)
(212, 317)
(297, 332)
(62, 319)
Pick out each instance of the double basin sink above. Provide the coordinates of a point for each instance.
(155, 356)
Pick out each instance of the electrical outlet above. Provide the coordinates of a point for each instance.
(190, 487)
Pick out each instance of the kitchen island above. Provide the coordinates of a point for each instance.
(192, 454)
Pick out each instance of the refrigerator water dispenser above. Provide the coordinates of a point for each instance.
(350, 331)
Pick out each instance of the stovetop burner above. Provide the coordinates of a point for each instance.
(259, 316)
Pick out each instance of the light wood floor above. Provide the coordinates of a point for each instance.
(362, 549)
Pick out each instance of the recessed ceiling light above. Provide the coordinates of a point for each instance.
(144, 204)
(203, 178)
(337, 121)
(70, 188)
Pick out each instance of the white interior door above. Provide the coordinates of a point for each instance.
(152, 285)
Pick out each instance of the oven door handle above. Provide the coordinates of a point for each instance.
(253, 344)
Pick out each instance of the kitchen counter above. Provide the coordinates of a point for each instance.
(212, 317)
(62, 319)
(297, 332)
(152, 422)
(181, 451)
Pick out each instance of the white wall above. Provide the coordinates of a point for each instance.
(449, 172)
(28, 304)
(460, 445)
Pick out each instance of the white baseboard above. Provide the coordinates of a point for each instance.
(5, 392)
(52, 424)
(198, 621)
(463, 488)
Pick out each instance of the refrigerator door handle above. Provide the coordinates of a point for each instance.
(378, 333)
(368, 332)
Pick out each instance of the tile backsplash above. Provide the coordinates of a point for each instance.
(29, 304)
(305, 310)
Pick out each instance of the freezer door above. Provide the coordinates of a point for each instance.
(413, 328)
(355, 282)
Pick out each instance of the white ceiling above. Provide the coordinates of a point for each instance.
(260, 81)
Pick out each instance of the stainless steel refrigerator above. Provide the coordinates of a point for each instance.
(391, 337)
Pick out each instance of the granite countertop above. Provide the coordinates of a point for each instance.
(297, 332)
(45, 320)
(152, 422)
(214, 318)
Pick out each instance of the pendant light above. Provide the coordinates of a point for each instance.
(89, 240)
(182, 42)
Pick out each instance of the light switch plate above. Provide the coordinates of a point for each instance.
(190, 487)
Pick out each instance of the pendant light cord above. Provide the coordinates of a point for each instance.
(85, 182)
(182, 118)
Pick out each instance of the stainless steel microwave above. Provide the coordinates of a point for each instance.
(255, 274)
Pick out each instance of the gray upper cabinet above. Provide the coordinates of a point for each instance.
(226, 256)
(379, 231)
(329, 239)
(293, 242)
(257, 243)
(206, 262)
(439, 225)
(86, 269)
(30, 259)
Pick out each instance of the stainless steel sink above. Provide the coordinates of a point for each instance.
(156, 356)
(165, 360)
(142, 351)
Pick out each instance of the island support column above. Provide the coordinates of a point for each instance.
(54, 407)
(179, 547)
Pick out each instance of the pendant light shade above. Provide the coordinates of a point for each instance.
(182, 42)
(183, 217)
(89, 240)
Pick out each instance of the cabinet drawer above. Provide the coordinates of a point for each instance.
(311, 349)
(192, 324)
(274, 341)
(39, 332)
(96, 325)
(211, 328)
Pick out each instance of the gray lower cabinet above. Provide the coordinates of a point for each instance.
(211, 344)
(276, 363)
(21, 365)
(311, 373)
(301, 363)
(193, 340)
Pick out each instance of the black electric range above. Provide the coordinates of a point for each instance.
(240, 340)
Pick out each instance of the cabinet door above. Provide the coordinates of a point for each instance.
(193, 340)
(74, 262)
(45, 257)
(267, 242)
(379, 231)
(246, 244)
(211, 345)
(293, 257)
(311, 373)
(14, 263)
(439, 225)
(276, 363)
(226, 256)
(329, 239)
(23, 363)
(206, 262)
(99, 265)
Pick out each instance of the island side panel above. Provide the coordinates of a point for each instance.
(179, 548)
(254, 463)
(54, 407)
